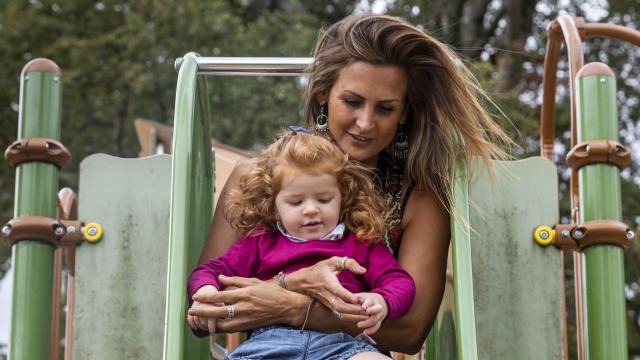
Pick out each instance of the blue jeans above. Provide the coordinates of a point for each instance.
(284, 342)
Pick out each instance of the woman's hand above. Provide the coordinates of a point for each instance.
(255, 302)
(200, 322)
(320, 281)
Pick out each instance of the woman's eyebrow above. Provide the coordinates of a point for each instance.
(355, 94)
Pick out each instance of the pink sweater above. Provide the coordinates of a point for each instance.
(265, 255)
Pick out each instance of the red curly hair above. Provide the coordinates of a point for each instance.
(252, 204)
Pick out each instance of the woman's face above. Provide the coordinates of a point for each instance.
(365, 106)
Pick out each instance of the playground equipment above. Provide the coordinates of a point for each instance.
(504, 296)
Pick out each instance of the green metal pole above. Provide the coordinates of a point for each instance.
(463, 274)
(191, 207)
(36, 189)
(603, 265)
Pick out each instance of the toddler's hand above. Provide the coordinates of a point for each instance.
(376, 308)
(202, 322)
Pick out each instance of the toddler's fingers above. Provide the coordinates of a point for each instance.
(367, 323)
(367, 302)
(374, 309)
(191, 321)
(203, 322)
(211, 326)
(373, 329)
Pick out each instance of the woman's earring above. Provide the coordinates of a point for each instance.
(322, 121)
(401, 144)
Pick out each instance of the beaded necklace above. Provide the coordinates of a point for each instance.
(388, 183)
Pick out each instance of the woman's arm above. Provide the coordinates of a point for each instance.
(423, 254)
(221, 235)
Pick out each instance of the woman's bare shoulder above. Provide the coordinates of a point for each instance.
(426, 228)
(424, 205)
(240, 168)
(246, 164)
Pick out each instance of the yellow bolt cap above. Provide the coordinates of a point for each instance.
(92, 232)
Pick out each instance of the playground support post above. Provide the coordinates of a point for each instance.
(191, 207)
(36, 194)
(600, 199)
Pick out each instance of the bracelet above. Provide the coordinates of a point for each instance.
(306, 315)
(280, 278)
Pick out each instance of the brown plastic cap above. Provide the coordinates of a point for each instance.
(603, 232)
(33, 228)
(595, 68)
(41, 65)
(563, 239)
(599, 152)
(38, 149)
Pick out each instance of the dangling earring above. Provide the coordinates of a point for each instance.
(401, 144)
(322, 121)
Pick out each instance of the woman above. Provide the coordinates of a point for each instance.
(394, 98)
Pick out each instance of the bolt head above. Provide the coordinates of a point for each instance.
(59, 230)
(6, 230)
(630, 234)
(544, 235)
(92, 231)
(71, 229)
(565, 233)
(578, 234)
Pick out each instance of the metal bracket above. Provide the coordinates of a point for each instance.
(576, 237)
(66, 230)
(37, 149)
(599, 152)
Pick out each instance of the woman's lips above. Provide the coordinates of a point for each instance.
(360, 139)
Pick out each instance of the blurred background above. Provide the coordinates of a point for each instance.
(117, 59)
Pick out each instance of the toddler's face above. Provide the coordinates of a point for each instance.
(309, 205)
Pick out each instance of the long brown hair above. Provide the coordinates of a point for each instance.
(445, 119)
(252, 205)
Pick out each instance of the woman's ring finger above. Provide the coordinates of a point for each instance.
(230, 312)
(343, 262)
(333, 301)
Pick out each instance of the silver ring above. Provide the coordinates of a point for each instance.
(230, 312)
(333, 301)
(343, 262)
(337, 314)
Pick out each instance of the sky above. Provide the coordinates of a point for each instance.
(6, 285)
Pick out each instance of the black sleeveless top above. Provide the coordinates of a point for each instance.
(388, 182)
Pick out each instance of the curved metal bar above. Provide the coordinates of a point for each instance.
(612, 31)
(570, 31)
(250, 66)
(564, 28)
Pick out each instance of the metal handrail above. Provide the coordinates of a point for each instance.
(571, 32)
(250, 66)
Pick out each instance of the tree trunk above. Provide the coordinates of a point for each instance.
(519, 16)
(473, 34)
(118, 128)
